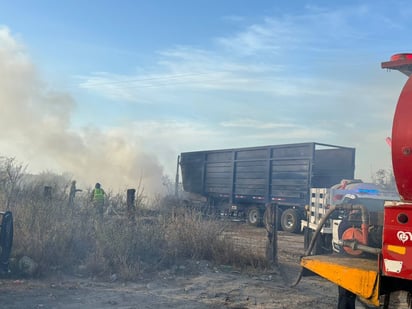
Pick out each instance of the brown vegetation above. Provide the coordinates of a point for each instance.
(62, 233)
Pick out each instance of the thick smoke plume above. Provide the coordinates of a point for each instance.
(35, 128)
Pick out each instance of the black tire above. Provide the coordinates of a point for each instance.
(290, 221)
(6, 241)
(254, 216)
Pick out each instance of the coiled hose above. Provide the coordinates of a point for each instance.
(333, 208)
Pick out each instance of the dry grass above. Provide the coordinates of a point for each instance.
(66, 237)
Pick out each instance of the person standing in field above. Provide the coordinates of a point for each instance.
(98, 197)
(72, 193)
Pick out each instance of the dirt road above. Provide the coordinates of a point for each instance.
(193, 284)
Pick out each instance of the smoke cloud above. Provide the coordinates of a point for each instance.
(35, 128)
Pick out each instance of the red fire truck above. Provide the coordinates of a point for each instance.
(379, 273)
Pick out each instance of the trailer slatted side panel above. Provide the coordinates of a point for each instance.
(250, 178)
(290, 176)
(281, 173)
(250, 173)
(218, 177)
(218, 172)
(290, 179)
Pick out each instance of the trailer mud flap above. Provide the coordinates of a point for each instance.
(357, 275)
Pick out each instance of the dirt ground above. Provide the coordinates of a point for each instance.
(194, 284)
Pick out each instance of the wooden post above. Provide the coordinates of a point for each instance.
(270, 219)
(47, 193)
(274, 233)
(130, 202)
(177, 178)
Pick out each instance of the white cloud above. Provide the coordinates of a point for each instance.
(268, 57)
(272, 36)
(253, 123)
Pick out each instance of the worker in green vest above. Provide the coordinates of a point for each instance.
(98, 197)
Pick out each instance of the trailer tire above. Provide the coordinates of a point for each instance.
(254, 216)
(290, 221)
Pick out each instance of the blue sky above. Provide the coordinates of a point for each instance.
(128, 85)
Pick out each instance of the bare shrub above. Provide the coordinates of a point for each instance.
(190, 236)
(65, 236)
(127, 247)
(11, 173)
(49, 231)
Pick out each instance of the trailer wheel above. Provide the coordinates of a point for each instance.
(290, 221)
(254, 216)
(6, 241)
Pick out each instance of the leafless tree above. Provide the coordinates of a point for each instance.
(11, 173)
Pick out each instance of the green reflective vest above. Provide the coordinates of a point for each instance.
(98, 194)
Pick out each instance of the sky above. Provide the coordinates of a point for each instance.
(114, 91)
